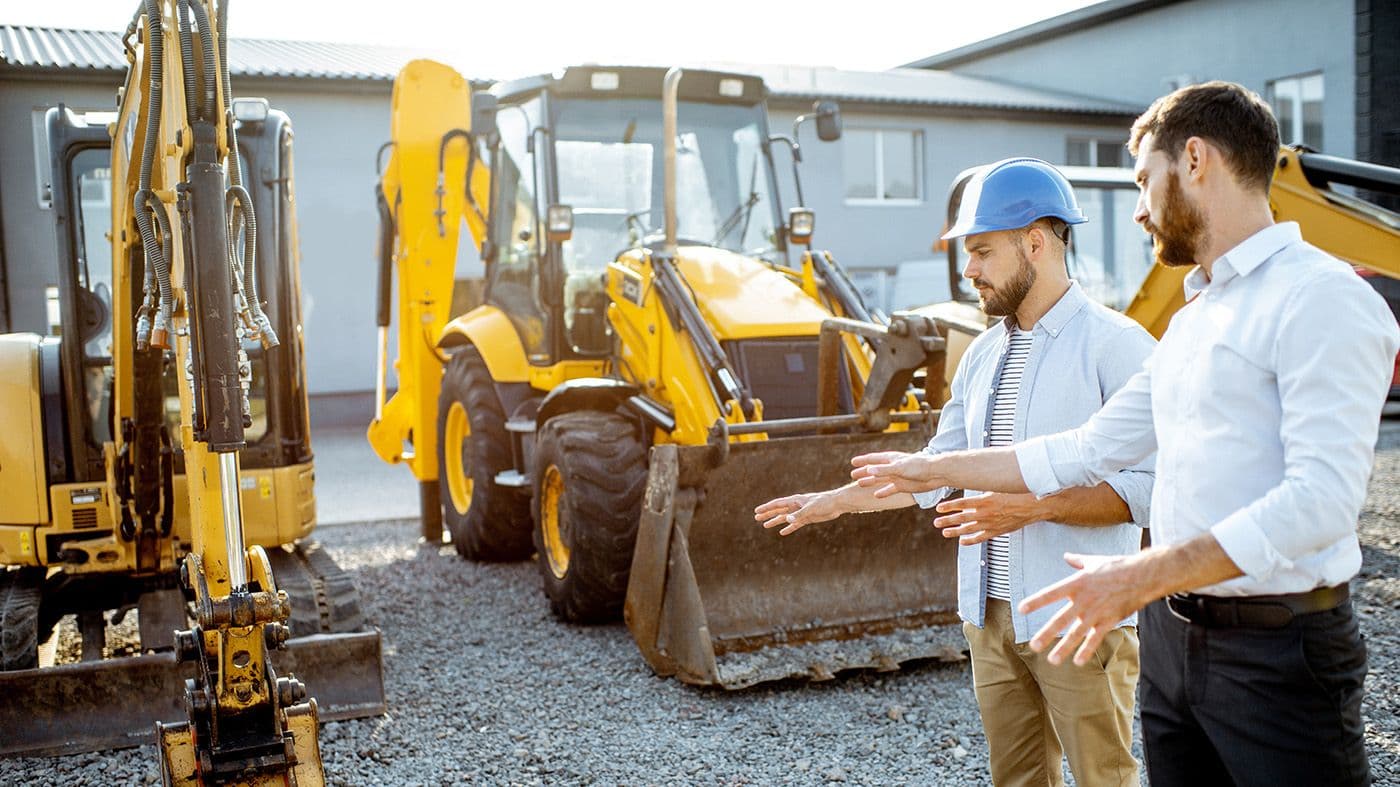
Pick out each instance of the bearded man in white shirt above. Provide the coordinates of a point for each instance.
(1263, 402)
(1047, 366)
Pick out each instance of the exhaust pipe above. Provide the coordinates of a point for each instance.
(670, 90)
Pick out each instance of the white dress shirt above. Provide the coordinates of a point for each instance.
(1263, 403)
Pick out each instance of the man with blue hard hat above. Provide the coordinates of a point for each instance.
(1047, 366)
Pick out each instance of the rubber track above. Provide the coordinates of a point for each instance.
(324, 597)
(21, 592)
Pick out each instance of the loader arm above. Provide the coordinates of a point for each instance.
(434, 188)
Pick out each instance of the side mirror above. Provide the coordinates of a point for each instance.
(483, 115)
(559, 223)
(828, 120)
(801, 223)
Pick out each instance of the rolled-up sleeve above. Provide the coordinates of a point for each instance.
(1119, 436)
(952, 430)
(1135, 487)
(1127, 355)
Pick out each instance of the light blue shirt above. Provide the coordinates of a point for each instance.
(1081, 353)
(1262, 403)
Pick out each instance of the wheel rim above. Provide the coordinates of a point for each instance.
(556, 550)
(456, 448)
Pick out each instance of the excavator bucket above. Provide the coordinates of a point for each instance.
(715, 599)
(112, 704)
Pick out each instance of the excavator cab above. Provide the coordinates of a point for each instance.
(279, 436)
(105, 528)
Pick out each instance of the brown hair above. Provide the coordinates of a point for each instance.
(1056, 227)
(1229, 116)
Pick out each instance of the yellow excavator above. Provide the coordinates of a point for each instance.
(1115, 264)
(157, 456)
(657, 354)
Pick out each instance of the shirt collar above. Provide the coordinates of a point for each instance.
(1245, 258)
(1054, 321)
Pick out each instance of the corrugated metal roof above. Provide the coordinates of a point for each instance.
(100, 51)
(40, 49)
(922, 87)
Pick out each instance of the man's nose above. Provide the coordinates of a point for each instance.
(972, 270)
(1140, 214)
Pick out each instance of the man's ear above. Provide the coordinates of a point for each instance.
(1036, 239)
(1197, 155)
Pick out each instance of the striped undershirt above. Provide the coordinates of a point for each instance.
(1001, 433)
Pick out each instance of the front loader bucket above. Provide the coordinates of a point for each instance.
(715, 599)
(112, 704)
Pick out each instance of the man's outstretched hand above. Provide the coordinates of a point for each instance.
(795, 511)
(891, 472)
(973, 520)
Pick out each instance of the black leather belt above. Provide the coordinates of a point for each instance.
(1269, 612)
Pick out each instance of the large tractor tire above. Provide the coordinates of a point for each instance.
(590, 474)
(487, 521)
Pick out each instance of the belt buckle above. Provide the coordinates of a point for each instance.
(1192, 604)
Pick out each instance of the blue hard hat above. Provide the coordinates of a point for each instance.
(1012, 193)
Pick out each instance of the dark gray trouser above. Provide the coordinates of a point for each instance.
(1248, 706)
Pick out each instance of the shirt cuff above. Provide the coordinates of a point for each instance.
(1244, 543)
(1130, 489)
(1037, 470)
(931, 498)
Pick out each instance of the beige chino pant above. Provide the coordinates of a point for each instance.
(1035, 712)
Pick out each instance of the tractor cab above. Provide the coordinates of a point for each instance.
(577, 163)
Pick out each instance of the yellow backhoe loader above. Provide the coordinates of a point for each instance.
(1112, 257)
(656, 355)
(156, 455)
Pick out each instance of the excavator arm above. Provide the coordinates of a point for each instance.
(434, 188)
(185, 238)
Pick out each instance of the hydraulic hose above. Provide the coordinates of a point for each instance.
(266, 334)
(206, 41)
(441, 191)
(235, 199)
(155, 254)
(239, 207)
(187, 58)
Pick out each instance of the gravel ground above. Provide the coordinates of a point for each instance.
(486, 687)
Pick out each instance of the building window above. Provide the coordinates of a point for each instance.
(1297, 102)
(883, 165)
(1084, 152)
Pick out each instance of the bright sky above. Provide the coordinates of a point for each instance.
(513, 38)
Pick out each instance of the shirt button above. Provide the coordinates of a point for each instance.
(984, 562)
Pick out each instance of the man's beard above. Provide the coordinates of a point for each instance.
(1006, 299)
(1177, 241)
